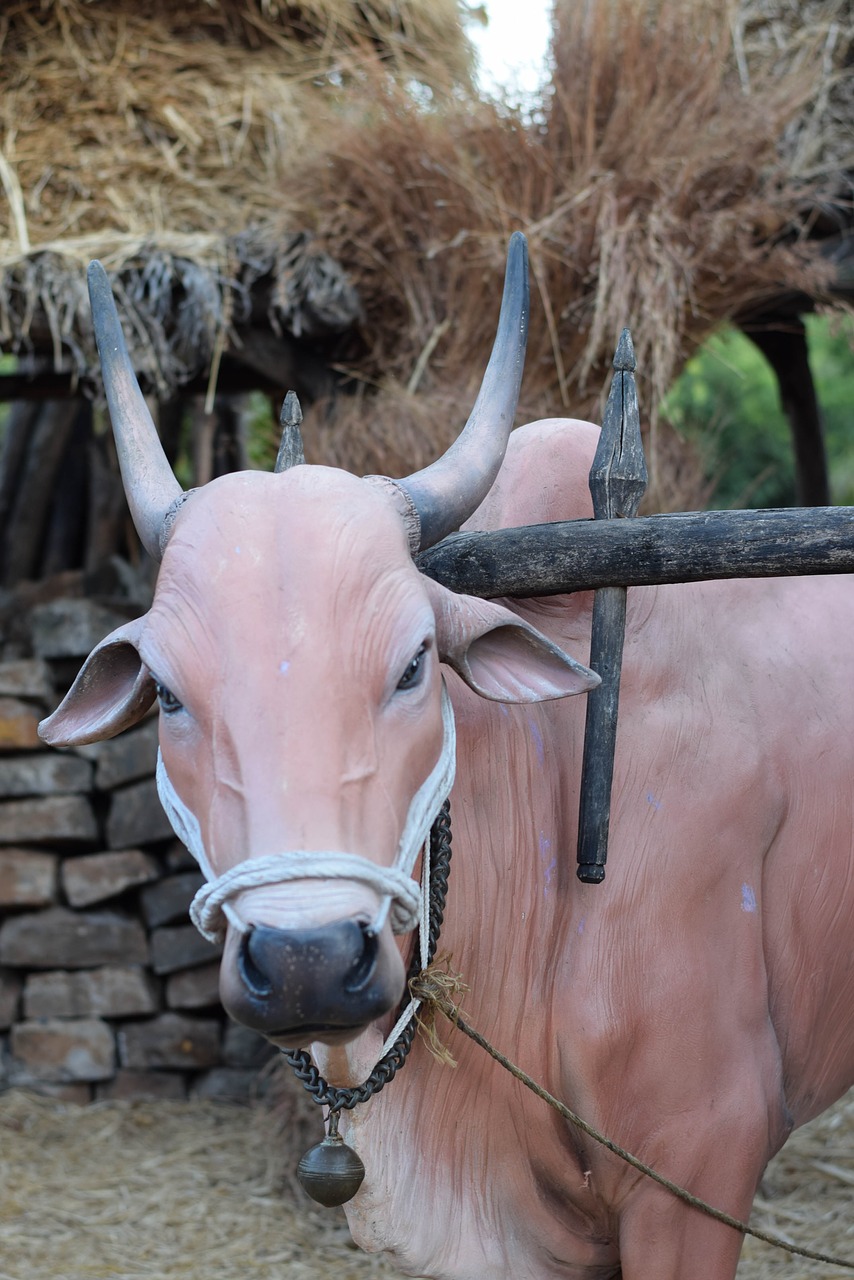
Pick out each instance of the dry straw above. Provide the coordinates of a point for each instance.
(654, 186)
(164, 138)
(189, 1191)
(666, 181)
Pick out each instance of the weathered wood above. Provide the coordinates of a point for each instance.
(783, 342)
(57, 820)
(618, 479)
(94, 877)
(618, 476)
(136, 816)
(28, 878)
(61, 1049)
(107, 514)
(170, 1041)
(291, 452)
(600, 733)
(111, 991)
(25, 528)
(583, 555)
(64, 536)
(19, 428)
(61, 939)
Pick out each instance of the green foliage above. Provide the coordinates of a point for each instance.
(8, 364)
(726, 402)
(264, 432)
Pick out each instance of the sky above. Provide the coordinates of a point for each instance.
(512, 47)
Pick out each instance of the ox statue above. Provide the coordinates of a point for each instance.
(315, 692)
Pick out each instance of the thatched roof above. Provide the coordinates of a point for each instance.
(162, 138)
(670, 180)
(654, 186)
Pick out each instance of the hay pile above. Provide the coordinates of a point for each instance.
(668, 180)
(175, 123)
(805, 1197)
(161, 1191)
(652, 187)
(165, 137)
(779, 36)
(191, 1191)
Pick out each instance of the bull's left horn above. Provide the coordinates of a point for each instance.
(150, 485)
(447, 492)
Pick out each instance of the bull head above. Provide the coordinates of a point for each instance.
(295, 650)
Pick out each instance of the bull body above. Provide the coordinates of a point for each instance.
(694, 1006)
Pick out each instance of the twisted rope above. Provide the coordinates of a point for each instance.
(344, 1099)
(207, 908)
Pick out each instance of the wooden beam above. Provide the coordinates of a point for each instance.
(583, 555)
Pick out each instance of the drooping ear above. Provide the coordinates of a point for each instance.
(112, 691)
(499, 655)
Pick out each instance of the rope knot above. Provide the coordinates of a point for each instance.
(438, 988)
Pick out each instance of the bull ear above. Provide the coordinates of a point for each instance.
(112, 691)
(499, 655)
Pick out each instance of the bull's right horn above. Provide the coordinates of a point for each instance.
(150, 485)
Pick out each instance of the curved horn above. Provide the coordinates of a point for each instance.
(150, 485)
(447, 492)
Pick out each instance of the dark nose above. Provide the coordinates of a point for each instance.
(298, 982)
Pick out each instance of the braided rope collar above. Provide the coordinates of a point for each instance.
(212, 909)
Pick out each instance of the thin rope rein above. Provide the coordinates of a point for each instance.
(434, 995)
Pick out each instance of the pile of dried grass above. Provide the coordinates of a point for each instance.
(165, 137)
(779, 36)
(652, 191)
(162, 1191)
(176, 123)
(805, 1198)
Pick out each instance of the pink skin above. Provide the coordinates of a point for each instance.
(694, 1006)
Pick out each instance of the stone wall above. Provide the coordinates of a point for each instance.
(106, 988)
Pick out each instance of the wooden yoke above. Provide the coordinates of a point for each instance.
(618, 480)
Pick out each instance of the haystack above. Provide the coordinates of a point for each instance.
(658, 184)
(163, 139)
(779, 37)
(278, 207)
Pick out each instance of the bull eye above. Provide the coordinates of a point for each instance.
(413, 673)
(168, 702)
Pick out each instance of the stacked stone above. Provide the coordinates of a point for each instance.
(106, 989)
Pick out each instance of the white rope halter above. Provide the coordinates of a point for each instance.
(212, 910)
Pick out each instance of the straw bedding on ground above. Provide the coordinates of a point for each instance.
(204, 1191)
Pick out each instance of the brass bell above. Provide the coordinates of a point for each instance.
(331, 1173)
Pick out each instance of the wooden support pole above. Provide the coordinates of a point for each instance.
(618, 479)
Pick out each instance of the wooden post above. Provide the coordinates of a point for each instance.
(290, 450)
(618, 479)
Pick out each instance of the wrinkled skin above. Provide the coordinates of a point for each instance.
(694, 1006)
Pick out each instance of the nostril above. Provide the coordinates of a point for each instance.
(252, 975)
(363, 970)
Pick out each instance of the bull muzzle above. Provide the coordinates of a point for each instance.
(298, 985)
